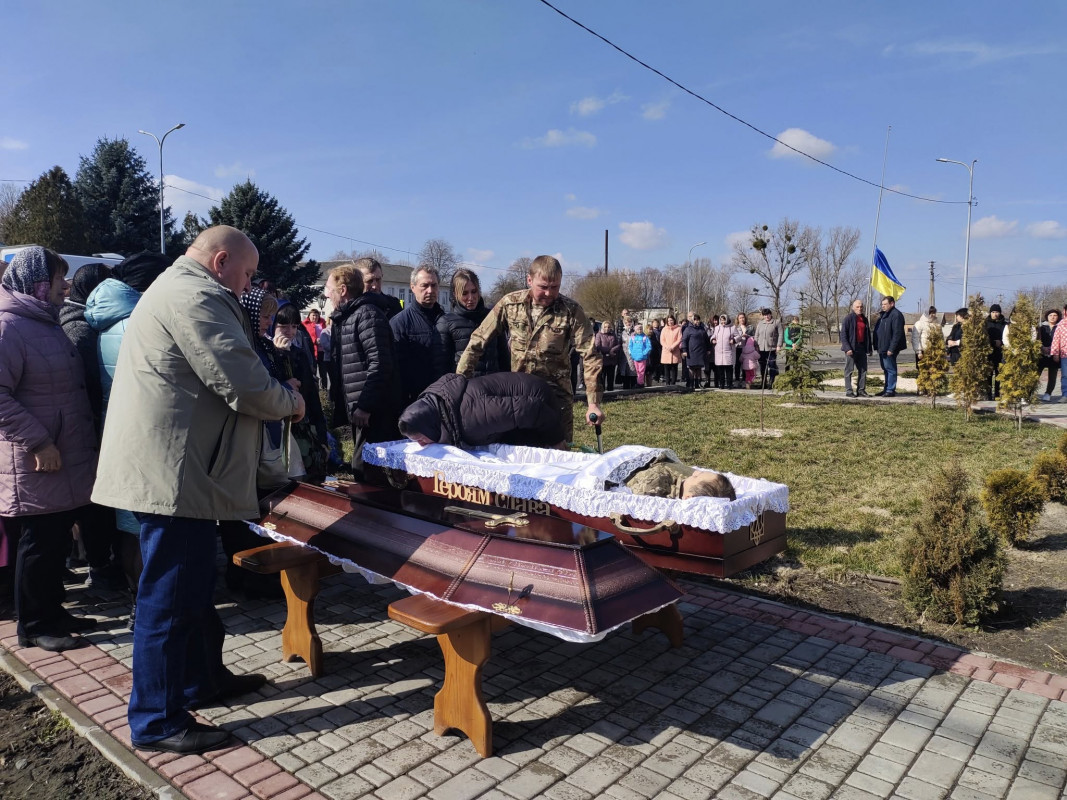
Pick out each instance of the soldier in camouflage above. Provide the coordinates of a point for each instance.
(541, 326)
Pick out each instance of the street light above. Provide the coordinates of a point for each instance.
(162, 241)
(970, 205)
(688, 269)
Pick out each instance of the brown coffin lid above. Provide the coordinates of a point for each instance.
(550, 572)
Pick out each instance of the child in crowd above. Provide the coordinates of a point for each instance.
(749, 360)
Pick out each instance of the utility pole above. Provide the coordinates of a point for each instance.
(605, 252)
(932, 284)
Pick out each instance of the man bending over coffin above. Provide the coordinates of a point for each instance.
(499, 408)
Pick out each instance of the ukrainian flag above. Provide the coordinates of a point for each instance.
(882, 278)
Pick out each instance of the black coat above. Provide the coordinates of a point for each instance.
(455, 330)
(848, 334)
(419, 351)
(889, 332)
(695, 344)
(84, 337)
(386, 302)
(502, 408)
(363, 346)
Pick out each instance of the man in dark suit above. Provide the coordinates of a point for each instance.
(889, 339)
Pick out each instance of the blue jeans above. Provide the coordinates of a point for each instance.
(889, 367)
(1063, 377)
(177, 641)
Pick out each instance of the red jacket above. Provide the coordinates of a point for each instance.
(313, 329)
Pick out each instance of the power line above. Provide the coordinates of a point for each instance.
(738, 119)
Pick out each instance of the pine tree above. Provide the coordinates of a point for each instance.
(48, 213)
(801, 380)
(121, 200)
(933, 366)
(973, 372)
(1019, 374)
(274, 233)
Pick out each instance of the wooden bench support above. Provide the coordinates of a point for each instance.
(668, 619)
(464, 638)
(301, 570)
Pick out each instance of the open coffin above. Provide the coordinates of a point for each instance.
(708, 536)
(556, 576)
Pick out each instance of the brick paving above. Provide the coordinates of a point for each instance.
(761, 701)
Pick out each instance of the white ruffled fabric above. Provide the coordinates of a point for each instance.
(566, 634)
(585, 483)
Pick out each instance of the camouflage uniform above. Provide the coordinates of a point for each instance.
(541, 348)
(659, 479)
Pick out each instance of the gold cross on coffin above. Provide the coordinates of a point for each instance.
(517, 520)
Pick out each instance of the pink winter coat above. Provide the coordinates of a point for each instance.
(722, 344)
(42, 399)
(670, 342)
(749, 354)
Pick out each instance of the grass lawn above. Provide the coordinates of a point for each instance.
(856, 472)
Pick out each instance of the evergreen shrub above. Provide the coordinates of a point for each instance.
(1013, 502)
(1050, 470)
(952, 561)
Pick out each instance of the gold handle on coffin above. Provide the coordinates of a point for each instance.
(668, 525)
(516, 520)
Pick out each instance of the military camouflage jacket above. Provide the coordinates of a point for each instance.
(539, 348)
(659, 479)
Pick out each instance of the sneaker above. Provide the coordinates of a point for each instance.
(1046, 398)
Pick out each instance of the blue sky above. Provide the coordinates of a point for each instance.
(508, 131)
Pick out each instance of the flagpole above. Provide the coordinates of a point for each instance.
(877, 217)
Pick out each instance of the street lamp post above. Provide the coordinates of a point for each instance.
(688, 270)
(162, 240)
(970, 205)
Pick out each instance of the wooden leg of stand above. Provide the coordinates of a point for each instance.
(299, 638)
(460, 704)
(668, 619)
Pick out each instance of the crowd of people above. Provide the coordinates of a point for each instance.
(146, 409)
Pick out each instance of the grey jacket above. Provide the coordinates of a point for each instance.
(768, 335)
(184, 423)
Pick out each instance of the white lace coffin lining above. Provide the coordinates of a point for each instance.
(585, 483)
(566, 634)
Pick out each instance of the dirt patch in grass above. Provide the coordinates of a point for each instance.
(42, 758)
(1030, 628)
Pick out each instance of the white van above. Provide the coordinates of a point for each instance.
(73, 262)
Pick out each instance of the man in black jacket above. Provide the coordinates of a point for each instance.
(856, 345)
(421, 354)
(371, 270)
(499, 408)
(363, 347)
(889, 339)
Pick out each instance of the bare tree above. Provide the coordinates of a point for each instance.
(9, 198)
(604, 296)
(709, 287)
(650, 285)
(828, 268)
(353, 254)
(673, 287)
(438, 253)
(510, 281)
(775, 256)
(1045, 298)
(741, 298)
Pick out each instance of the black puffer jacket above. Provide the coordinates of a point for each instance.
(84, 337)
(455, 330)
(420, 354)
(502, 408)
(365, 351)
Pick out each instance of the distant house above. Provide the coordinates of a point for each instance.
(396, 281)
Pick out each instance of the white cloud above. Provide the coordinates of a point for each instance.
(236, 169)
(802, 140)
(975, 52)
(1048, 229)
(655, 110)
(743, 238)
(583, 212)
(899, 187)
(1055, 261)
(183, 195)
(558, 138)
(993, 227)
(588, 106)
(570, 197)
(480, 256)
(642, 235)
(7, 143)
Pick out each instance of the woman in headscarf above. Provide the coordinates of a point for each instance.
(48, 453)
